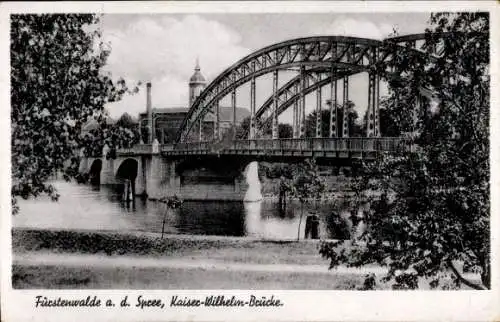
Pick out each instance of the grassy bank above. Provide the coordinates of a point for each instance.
(59, 259)
(67, 277)
(111, 260)
(230, 249)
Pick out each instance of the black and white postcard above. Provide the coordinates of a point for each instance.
(274, 161)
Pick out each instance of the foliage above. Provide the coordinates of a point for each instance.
(389, 125)
(262, 130)
(171, 203)
(306, 184)
(243, 130)
(432, 211)
(126, 121)
(58, 84)
(123, 133)
(285, 131)
(355, 130)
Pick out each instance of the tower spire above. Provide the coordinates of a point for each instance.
(197, 66)
(197, 83)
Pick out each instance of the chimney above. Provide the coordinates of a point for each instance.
(149, 111)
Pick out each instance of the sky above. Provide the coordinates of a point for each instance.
(163, 48)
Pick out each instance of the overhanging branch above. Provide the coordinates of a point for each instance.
(462, 279)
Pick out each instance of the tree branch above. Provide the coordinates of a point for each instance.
(462, 279)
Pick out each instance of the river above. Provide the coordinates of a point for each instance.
(99, 208)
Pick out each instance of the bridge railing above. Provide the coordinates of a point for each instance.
(356, 144)
(137, 149)
(192, 146)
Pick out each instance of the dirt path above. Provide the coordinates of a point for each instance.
(73, 260)
(40, 270)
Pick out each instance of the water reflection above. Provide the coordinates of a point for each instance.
(100, 208)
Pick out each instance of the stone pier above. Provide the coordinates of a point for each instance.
(189, 179)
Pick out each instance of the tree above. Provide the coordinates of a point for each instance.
(171, 203)
(58, 84)
(264, 130)
(285, 131)
(311, 124)
(355, 129)
(389, 125)
(433, 209)
(126, 121)
(123, 133)
(243, 130)
(306, 185)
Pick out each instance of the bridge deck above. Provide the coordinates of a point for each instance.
(306, 147)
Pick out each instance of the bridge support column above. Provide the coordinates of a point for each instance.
(200, 129)
(161, 178)
(345, 117)
(140, 181)
(83, 167)
(207, 180)
(377, 107)
(216, 123)
(149, 111)
(318, 110)
(275, 105)
(233, 105)
(295, 121)
(373, 126)
(251, 135)
(107, 171)
(108, 168)
(302, 103)
(333, 104)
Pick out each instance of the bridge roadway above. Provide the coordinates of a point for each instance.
(355, 147)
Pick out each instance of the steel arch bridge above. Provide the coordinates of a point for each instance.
(318, 62)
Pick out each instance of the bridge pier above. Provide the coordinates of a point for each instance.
(108, 171)
(201, 180)
(157, 177)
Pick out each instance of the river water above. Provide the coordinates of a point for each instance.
(99, 208)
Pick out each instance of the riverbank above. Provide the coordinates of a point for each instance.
(63, 259)
(112, 243)
(80, 259)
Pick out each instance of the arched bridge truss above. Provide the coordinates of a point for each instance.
(318, 62)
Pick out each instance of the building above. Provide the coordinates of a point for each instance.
(166, 122)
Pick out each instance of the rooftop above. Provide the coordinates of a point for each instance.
(225, 113)
(197, 77)
(92, 124)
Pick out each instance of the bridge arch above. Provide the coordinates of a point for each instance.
(127, 169)
(342, 55)
(289, 94)
(95, 172)
(316, 79)
(126, 176)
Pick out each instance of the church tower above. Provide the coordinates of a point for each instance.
(197, 84)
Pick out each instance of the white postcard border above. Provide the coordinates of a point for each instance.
(18, 305)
